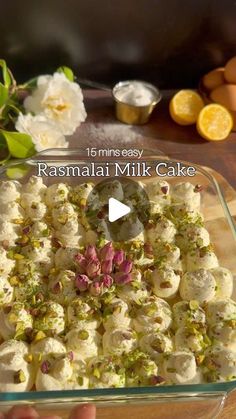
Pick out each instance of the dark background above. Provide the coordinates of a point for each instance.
(168, 42)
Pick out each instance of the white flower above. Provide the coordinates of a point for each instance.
(44, 133)
(59, 100)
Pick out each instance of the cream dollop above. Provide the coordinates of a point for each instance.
(16, 371)
(83, 315)
(34, 186)
(154, 315)
(106, 372)
(9, 191)
(117, 315)
(203, 258)
(47, 346)
(220, 364)
(14, 320)
(62, 287)
(191, 235)
(50, 318)
(224, 334)
(224, 282)
(56, 194)
(156, 345)
(185, 192)
(6, 264)
(199, 285)
(220, 310)
(8, 233)
(189, 338)
(84, 343)
(186, 313)
(180, 368)
(6, 291)
(119, 341)
(165, 282)
(161, 230)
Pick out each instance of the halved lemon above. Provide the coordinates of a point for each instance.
(185, 107)
(214, 122)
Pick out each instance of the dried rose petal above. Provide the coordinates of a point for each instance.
(107, 266)
(107, 281)
(198, 188)
(26, 230)
(91, 252)
(123, 278)
(81, 262)
(107, 252)
(119, 257)
(56, 243)
(5, 244)
(148, 250)
(93, 268)
(95, 288)
(57, 288)
(126, 266)
(165, 190)
(81, 282)
(70, 355)
(45, 367)
(39, 296)
(157, 379)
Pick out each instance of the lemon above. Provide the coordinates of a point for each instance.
(214, 122)
(185, 107)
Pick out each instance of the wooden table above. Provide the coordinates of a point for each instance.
(102, 129)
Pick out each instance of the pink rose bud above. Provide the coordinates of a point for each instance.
(107, 281)
(90, 252)
(82, 282)
(119, 257)
(107, 266)
(93, 268)
(70, 356)
(107, 252)
(95, 288)
(81, 262)
(126, 266)
(123, 278)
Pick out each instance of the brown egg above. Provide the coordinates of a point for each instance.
(214, 78)
(230, 71)
(225, 95)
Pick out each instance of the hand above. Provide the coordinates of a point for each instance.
(86, 411)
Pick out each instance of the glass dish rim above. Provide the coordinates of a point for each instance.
(186, 389)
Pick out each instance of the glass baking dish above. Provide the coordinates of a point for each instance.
(188, 401)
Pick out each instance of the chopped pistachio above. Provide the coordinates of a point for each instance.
(19, 377)
(96, 373)
(83, 335)
(39, 336)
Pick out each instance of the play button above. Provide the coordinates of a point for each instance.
(116, 210)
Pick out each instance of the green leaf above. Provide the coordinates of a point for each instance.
(30, 84)
(7, 77)
(67, 71)
(18, 171)
(4, 152)
(3, 95)
(20, 145)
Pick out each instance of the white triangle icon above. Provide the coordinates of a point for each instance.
(116, 210)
